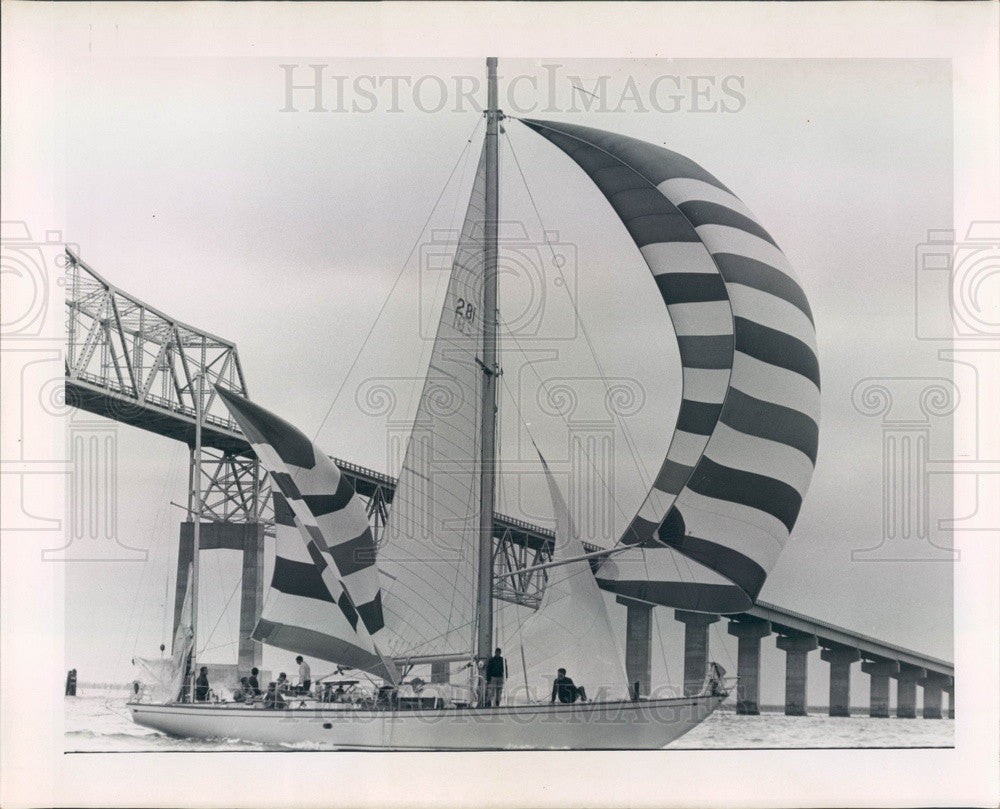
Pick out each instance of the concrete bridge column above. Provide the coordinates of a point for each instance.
(880, 671)
(749, 630)
(796, 649)
(906, 690)
(696, 626)
(933, 685)
(638, 643)
(840, 659)
(950, 691)
(247, 538)
(441, 672)
(251, 653)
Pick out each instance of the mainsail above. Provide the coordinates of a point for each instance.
(428, 554)
(571, 628)
(330, 604)
(742, 454)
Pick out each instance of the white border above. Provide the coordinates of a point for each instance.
(36, 773)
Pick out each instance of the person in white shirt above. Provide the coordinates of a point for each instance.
(305, 676)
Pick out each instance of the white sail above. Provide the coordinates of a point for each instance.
(161, 678)
(428, 555)
(571, 628)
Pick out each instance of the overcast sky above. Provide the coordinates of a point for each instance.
(187, 186)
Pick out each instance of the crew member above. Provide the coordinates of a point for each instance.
(201, 685)
(496, 673)
(273, 699)
(253, 683)
(282, 683)
(566, 690)
(305, 677)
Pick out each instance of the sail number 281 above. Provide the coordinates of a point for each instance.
(465, 316)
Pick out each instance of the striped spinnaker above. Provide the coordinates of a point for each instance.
(743, 450)
(331, 604)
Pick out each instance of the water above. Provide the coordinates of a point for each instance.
(98, 721)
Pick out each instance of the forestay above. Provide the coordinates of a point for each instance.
(744, 446)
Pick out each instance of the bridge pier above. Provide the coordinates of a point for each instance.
(879, 671)
(906, 690)
(840, 659)
(796, 648)
(696, 626)
(749, 630)
(950, 691)
(245, 537)
(933, 685)
(638, 643)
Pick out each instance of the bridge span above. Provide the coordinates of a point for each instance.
(132, 363)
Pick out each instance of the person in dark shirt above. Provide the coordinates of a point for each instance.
(253, 683)
(565, 689)
(201, 685)
(496, 673)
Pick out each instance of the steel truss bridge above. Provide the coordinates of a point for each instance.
(132, 363)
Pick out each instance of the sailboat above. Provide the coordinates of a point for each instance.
(721, 508)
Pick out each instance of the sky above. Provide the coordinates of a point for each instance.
(296, 233)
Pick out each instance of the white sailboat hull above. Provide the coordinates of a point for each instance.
(642, 725)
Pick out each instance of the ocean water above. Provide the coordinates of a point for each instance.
(98, 721)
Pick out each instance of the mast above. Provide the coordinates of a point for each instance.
(490, 366)
(196, 539)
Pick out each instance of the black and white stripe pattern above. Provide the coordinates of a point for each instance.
(744, 446)
(334, 558)
(301, 613)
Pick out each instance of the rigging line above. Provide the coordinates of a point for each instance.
(395, 283)
(663, 649)
(222, 585)
(142, 576)
(443, 277)
(219, 619)
(630, 442)
(723, 643)
(527, 429)
(219, 646)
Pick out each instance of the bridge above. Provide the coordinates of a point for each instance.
(132, 363)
